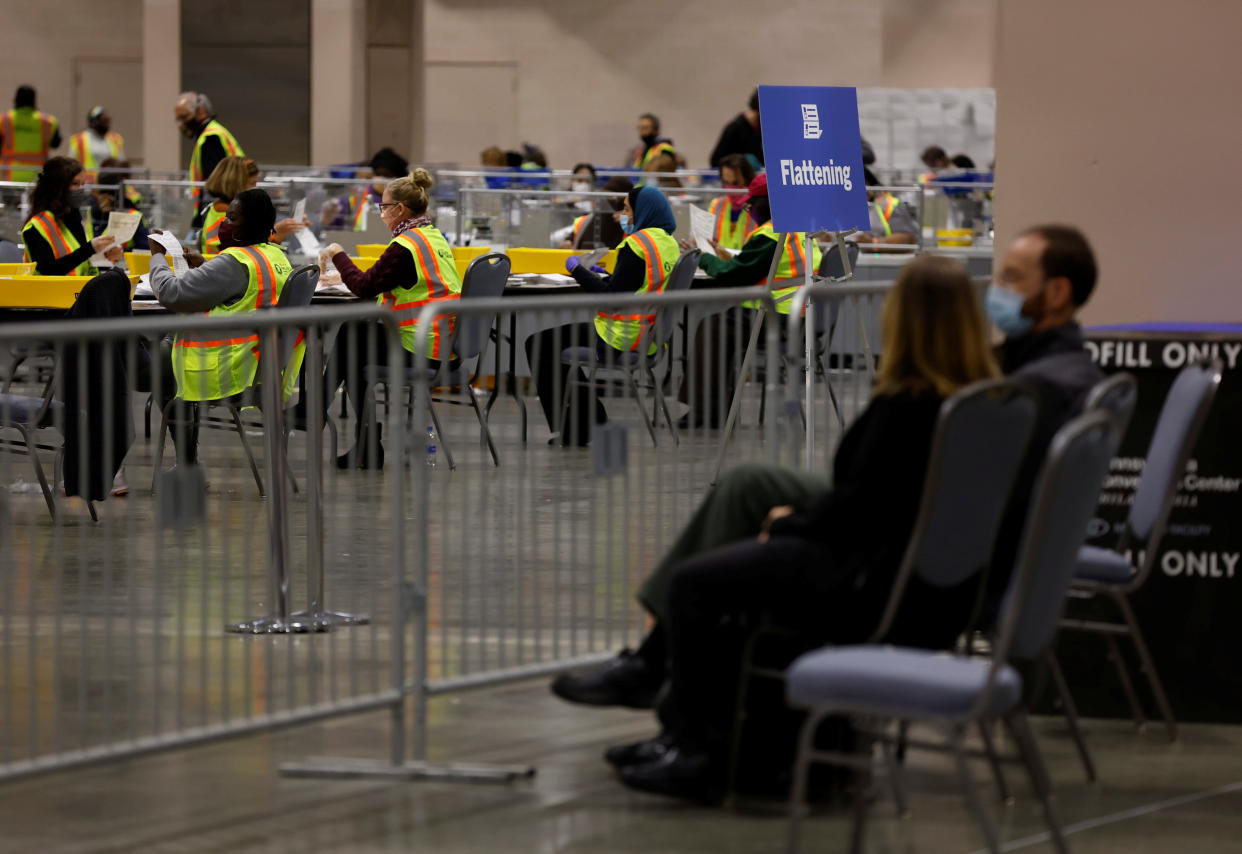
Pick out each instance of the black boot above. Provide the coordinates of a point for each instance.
(639, 752)
(681, 771)
(627, 680)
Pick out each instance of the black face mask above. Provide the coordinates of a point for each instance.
(650, 139)
(192, 128)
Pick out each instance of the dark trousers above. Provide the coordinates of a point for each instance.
(707, 385)
(359, 346)
(717, 599)
(94, 388)
(552, 376)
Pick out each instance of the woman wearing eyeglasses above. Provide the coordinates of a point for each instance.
(417, 268)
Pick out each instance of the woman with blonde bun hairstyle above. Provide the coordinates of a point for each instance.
(417, 268)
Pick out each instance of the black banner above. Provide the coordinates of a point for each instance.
(1190, 609)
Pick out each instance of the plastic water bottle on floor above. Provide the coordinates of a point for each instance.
(431, 447)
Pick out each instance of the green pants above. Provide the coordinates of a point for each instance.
(733, 510)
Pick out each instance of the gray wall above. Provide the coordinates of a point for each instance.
(255, 67)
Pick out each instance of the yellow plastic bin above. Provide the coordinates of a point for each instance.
(17, 268)
(550, 260)
(955, 237)
(46, 291)
(138, 263)
(371, 250)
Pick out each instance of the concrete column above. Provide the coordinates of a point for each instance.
(338, 75)
(1120, 117)
(418, 101)
(161, 83)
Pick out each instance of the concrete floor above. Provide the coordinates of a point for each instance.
(113, 633)
(1153, 796)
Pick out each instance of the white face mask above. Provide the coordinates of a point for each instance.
(581, 186)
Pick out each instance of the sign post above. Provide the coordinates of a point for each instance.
(812, 148)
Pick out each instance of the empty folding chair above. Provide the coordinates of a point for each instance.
(953, 693)
(1108, 573)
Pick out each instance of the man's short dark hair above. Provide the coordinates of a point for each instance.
(753, 103)
(655, 121)
(389, 164)
(1067, 253)
(933, 154)
(258, 216)
(24, 96)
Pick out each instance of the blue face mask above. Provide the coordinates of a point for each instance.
(1004, 309)
(626, 225)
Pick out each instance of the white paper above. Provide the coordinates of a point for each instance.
(593, 257)
(172, 249)
(702, 226)
(299, 210)
(308, 241)
(143, 288)
(122, 227)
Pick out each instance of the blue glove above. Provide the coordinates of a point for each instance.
(571, 262)
(599, 271)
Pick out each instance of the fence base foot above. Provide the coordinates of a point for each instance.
(458, 772)
(322, 621)
(275, 626)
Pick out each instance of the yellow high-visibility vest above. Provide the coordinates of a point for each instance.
(25, 138)
(438, 280)
(659, 250)
(60, 238)
(792, 266)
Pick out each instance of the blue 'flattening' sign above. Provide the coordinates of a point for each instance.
(813, 152)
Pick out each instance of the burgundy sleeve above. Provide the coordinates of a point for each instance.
(394, 269)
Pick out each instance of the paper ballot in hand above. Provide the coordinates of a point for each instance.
(702, 225)
(593, 257)
(172, 249)
(121, 226)
(306, 238)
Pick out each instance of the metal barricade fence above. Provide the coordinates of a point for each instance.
(502, 558)
(175, 618)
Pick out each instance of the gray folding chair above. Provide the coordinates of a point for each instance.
(485, 278)
(28, 415)
(954, 692)
(638, 364)
(1108, 572)
(981, 438)
(297, 292)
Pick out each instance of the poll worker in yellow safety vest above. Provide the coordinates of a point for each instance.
(892, 220)
(644, 261)
(711, 378)
(196, 118)
(732, 223)
(415, 270)
(97, 143)
(57, 238)
(26, 137)
(240, 280)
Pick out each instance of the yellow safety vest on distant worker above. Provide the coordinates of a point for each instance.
(792, 266)
(60, 238)
(438, 280)
(209, 237)
(25, 138)
(642, 157)
(80, 150)
(884, 207)
(216, 365)
(231, 149)
(729, 233)
(659, 251)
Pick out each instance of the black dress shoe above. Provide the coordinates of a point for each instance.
(680, 772)
(639, 752)
(626, 680)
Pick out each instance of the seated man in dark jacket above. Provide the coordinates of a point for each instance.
(1046, 275)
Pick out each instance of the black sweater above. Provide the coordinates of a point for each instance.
(45, 261)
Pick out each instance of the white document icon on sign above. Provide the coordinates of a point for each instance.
(810, 122)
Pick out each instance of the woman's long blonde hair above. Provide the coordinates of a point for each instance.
(935, 335)
(413, 191)
(230, 177)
